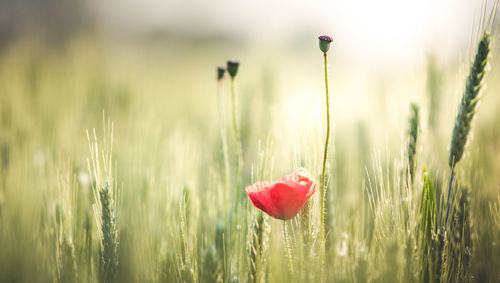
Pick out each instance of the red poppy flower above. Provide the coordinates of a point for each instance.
(283, 198)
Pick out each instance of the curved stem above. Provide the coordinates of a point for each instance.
(323, 190)
(287, 249)
(238, 143)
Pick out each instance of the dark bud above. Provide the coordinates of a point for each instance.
(324, 42)
(220, 73)
(232, 67)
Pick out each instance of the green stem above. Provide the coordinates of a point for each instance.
(452, 175)
(287, 249)
(223, 134)
(238, 143)
(323, 190)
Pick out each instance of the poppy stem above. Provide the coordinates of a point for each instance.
(223, 134)
(238, 143)
(287, 249)
(323, 190)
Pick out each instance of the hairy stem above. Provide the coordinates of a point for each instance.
(325, 155)
(287, 249)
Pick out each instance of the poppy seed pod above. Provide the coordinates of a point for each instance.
(232, 67)
(220, 73)
(324, 42)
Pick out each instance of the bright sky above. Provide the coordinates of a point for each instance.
(379, 30)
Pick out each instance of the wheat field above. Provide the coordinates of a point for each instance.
(119, 163)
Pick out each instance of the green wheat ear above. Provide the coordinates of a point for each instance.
(413, 138)
(467, 109)
(426, 228)
(256, 248)
(469, 101)
(109, 235)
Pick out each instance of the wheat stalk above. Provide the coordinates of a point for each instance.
(426, 228)
(105, 199)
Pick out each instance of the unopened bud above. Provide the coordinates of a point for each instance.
(232, 67)
(220, 73)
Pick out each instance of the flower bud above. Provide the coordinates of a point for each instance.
(220, 73)
(232, 67)
(324, 42)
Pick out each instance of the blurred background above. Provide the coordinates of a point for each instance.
(153, 62)
(167, 51)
